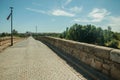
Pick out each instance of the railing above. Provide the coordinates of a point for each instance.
(104, 59)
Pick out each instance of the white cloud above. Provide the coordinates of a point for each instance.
(59, 12)
(66, 3)
(76, 9)
(36, 10)
(56, 12)
(97, 15)
(114, 22)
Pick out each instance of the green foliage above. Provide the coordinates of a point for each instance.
(35, 35)
(15, 33)
(114, 43)
(92, 34)
(4, 34)
(116, 36)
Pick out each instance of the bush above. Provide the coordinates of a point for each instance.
(114, 44)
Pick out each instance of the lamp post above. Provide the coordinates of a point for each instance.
(11, 25)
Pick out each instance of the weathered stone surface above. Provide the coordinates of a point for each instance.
(88, 61)
(115, 72)
(102, 52)
(98, 65)
(76, 53)
(79, 45)
(115, 55)
(106, 66)
(105, 72)
(82, 55)
(106, 69)
(88, 48)
(93, 63)
(107, 62)
(98, 57)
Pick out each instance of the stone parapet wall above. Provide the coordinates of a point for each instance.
(104, 59)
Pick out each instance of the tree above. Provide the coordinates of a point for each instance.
(4, 34)
(114, 44)
(92, 34)
(15, 33)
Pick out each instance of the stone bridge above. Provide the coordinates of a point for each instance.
(103, 59)
(49, 58)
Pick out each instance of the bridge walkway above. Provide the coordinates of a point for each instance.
(33, 60)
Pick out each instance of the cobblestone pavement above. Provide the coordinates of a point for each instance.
(32, 60)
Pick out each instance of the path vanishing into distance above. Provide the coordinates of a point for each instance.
(32, 60)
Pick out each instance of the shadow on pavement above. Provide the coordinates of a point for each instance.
(88, 72)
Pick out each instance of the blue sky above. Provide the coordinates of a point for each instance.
(56, 15)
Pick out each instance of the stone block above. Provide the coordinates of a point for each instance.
(82, 54)
(102, 52)
(115, 72)
(98, 65)
(76, 53)
(89, 60)
(108, 61)
(79, 45)
(88, 48)
(106, 72)
(115, 55)
(93, 63)
(106, 66)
